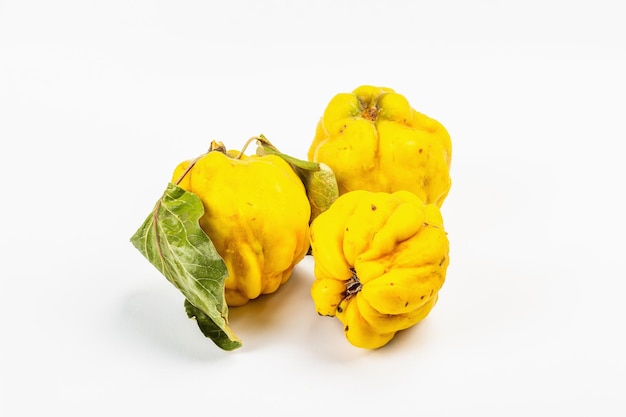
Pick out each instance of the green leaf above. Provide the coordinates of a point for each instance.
(211, 329)
(269, 149)
(321, 188)
(171, 239)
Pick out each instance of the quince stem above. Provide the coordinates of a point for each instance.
(215, 146)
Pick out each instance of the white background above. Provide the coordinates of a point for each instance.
(100, 100)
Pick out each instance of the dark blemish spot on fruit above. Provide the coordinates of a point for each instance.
(339, 309)
(421, 150)
(346, 328)
(373, 207)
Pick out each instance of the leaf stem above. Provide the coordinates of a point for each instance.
(191, 164)
(249, 141)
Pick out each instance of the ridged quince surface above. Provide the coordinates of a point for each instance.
(380, 260)
(256, 214)
(374, 140)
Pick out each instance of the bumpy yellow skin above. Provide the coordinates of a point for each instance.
(257, 216)
(380, 260)
(373, 140)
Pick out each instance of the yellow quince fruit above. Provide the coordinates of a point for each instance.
(380, 260)
(374, 140)
(256, 213)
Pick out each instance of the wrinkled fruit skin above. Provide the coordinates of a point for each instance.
(380, 261)
(257, 216)
(373, 140)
